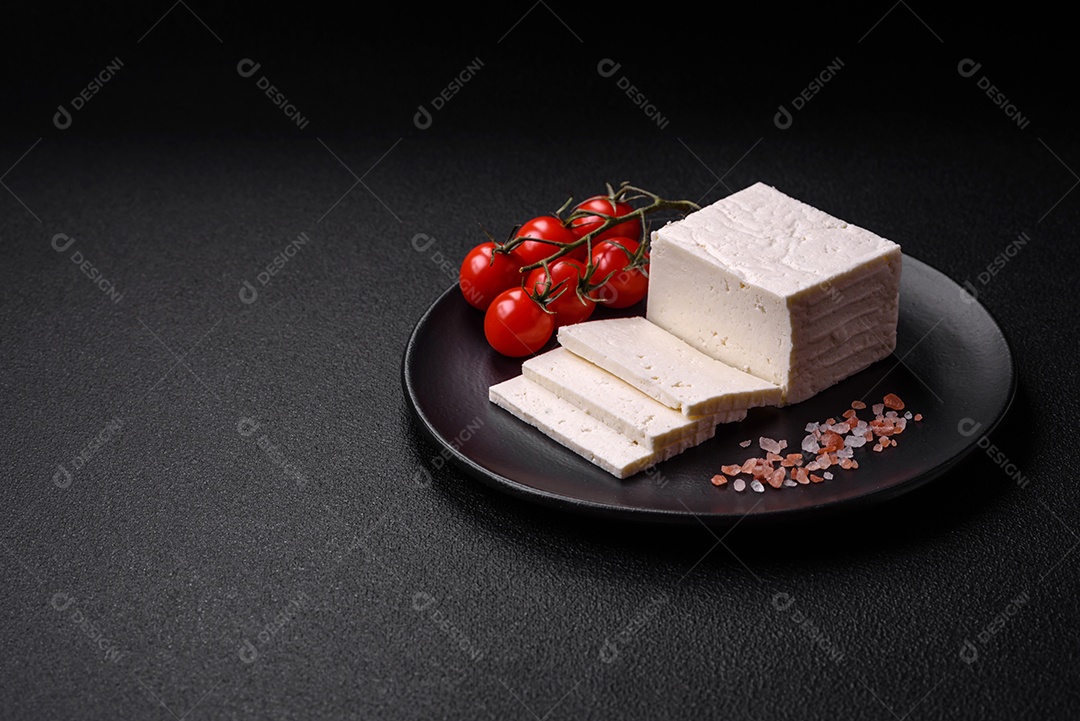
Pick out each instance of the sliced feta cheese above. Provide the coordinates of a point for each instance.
(585, 435)
(616, 403)
(777, 288)
(665, 368)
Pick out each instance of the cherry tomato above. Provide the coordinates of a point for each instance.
(625, 287)
(547, 227)
(485, 274)
(602, 204)
(565, 275)
(516, 325)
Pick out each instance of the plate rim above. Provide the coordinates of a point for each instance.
(673, 516)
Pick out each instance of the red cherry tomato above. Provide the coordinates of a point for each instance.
(485, 274)
(601, 204)
(546, 227)
(516, 325)
(565, 275)
(625, 287)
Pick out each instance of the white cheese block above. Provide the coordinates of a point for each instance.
(582, 433)
(777, 288)
(665, 368)
(616, 403)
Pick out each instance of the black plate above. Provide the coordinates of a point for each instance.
(952, 363)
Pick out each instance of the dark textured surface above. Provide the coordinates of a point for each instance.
(139, 587)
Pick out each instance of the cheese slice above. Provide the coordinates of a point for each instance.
(582, 433)
(777, 288)
(616, 403)
(666, 368)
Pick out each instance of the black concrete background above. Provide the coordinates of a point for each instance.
(199, 567)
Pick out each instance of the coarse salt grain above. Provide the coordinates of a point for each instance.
(832, 441)
(893, 401)
(739, 485)
(756, 485)
(877, 408)
(858, 405)
(769, 445)
(719, 480)
(907, 415)
(828, 475)
(855, 441)
(918, 417)
(789, 483)
(746, 444)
